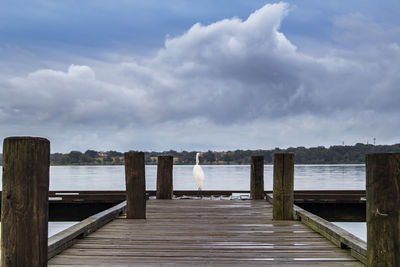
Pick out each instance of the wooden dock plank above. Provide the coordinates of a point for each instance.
(205, 232)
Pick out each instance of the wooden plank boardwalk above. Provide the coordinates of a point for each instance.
(205, 233)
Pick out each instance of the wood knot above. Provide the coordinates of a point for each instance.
(380, 214)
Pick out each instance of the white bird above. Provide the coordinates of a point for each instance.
(198, 173)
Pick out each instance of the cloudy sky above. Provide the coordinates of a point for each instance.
(200, 75)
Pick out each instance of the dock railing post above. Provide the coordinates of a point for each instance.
(24, 203)
(383, 209)
(135, 185)
(164, 177)
(283, 186)
(257, 177)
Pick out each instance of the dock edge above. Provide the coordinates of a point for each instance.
(66, 238)
(338, 236)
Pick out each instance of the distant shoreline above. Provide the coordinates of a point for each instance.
(354, 154)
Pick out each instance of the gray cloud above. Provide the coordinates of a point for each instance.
(220, 85)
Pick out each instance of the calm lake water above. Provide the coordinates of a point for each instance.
(218, 177)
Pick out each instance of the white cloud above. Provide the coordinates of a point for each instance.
(231, 83)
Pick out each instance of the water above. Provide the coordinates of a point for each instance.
(218, 177)
(358, 229)
(56, 227)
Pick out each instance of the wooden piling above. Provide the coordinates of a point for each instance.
(164, 177)
(24, 205)
(257, 177)
(383, 213)
(283, 186)
(135, 185)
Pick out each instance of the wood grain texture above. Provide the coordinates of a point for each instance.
(383, 214)
(135, 185)
(164, 177)
(24, 205)
(257, 177)
(205, 233)
(283, 186)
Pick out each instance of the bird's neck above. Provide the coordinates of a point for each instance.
(197, 159)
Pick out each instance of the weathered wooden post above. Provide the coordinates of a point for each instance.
(383, 209)
(283, 186)
(164, 177)
(135, 185)
(257, 177)
(24, 202)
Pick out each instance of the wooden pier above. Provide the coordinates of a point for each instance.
(194, 232)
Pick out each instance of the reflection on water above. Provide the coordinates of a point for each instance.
(330, 177)
(218, 177)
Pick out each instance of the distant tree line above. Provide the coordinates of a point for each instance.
(312, 155)
(90, 157)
